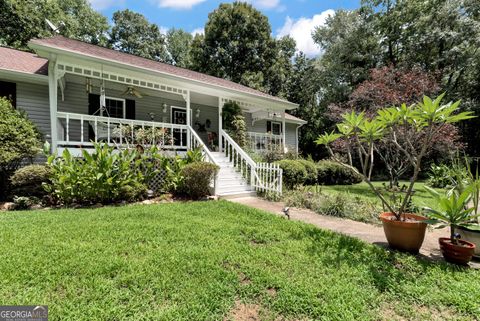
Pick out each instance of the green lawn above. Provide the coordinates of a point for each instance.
(193, 261)
(356, 202)
(421, 198)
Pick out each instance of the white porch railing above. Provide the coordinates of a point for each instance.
(77, 130)
(263, 141)
(197, 142)
(262, 176)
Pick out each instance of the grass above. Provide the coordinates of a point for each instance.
(194, 261)
(421, 197)
(356, 202)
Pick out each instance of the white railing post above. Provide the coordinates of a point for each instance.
(68, 127)
(81, 129)
(196, 140)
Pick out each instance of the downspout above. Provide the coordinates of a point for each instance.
(296, 136)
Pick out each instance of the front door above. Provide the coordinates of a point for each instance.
(179, 116)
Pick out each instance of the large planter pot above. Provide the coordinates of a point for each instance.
(472, 236)
(460, 253)
(404, 235)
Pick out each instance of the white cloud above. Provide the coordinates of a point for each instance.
(267, 4)
(199, 31)
(102, 4)
(178, 4)
(301, 30)
(163, 30)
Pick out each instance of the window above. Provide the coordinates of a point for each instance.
(9, 91)
(274, 128)
(114, 107)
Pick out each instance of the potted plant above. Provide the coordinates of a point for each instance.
(410, 129)
(462, 177)
(453, 210)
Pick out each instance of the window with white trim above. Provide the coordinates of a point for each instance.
(274, 127)
(114, 107)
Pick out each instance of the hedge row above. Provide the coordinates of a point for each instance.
(305, 172)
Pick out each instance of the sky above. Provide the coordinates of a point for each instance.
(296, 18)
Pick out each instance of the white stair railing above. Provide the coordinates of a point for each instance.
(262, 176)
(197, 142)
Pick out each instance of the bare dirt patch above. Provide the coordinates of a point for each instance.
(244, 312)
(244, 280)
(420, 312)
(272, 292)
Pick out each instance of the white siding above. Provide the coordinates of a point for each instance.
(33, 99)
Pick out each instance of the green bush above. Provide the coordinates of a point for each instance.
(197, 178)
(442, 176)
(342, 205)
(24, 202)
(105, 176)
(332, 173)
(19, 140)
(311, 168)
(28, 180)
(294, 173)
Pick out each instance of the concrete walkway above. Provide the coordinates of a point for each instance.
(367, 232)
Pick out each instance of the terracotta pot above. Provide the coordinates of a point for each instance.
(456, 253)
(406, 236)
(472, 236)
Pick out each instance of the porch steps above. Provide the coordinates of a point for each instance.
(230, 182)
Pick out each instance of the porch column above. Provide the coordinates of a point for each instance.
(52, 97)
(283, 131)
(189, 120)
(220, 124)
(296, 138)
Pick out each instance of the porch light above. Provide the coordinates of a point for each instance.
(164, 105)
(197, 114)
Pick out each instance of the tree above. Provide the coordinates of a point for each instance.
(238, 46)
(351, 48)
(19, 140)
(437, 36)
(389, 86)
(133, 34)
(424, 120)
(179, 43)
(22, 20)
(303, 89)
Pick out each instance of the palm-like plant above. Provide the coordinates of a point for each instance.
(453, 210)
(424, 120)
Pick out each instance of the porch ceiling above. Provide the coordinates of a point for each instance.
(96, 83)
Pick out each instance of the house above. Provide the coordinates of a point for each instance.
(78, 93)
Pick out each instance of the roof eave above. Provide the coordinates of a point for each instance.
(23, 76)
(53, 49)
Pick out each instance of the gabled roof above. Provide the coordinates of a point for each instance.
(21, 61)
(293, 119)
(83, 48)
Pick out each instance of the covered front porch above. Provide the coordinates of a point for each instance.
(119, 107)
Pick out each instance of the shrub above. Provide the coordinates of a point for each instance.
(19, 140)
(24, 202)
(442, 176)
(105, 176)
(336, 204)
(273, 154)
(311, 168)
(28, 180)
(294, 173)
(197, 178)
(332, 173)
